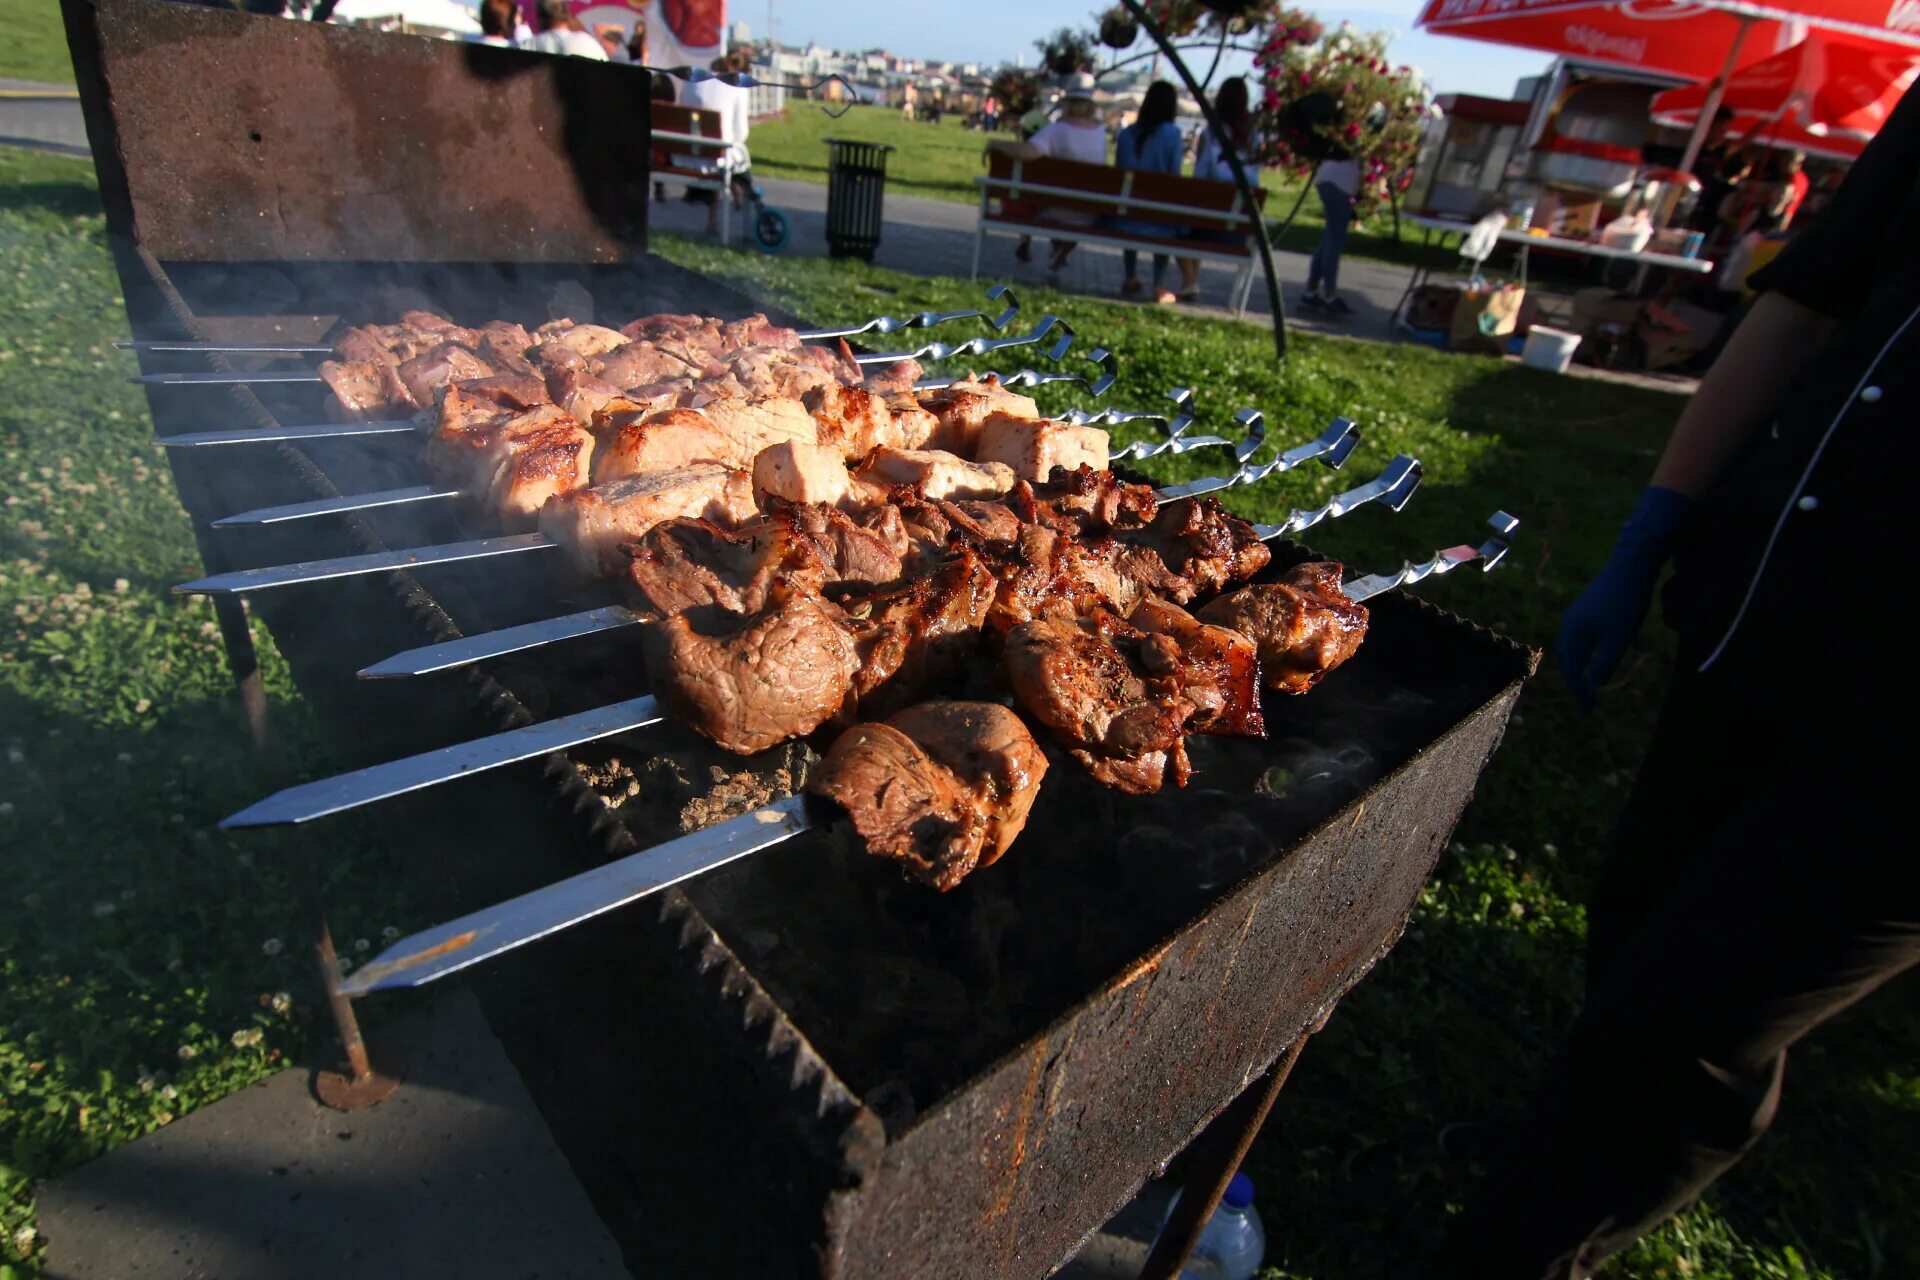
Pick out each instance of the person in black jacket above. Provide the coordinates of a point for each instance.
(1764, 876)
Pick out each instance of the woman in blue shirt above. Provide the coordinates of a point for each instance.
(1152, 143)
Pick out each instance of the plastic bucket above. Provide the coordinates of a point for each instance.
(1549, 349)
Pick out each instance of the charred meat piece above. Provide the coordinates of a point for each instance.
(508, 463)
(1219, 668)
(1303, 624)
(896, 379)
(919, 636)
(963, 409)
(685, 564)
(1050, 573)
(751, 683)
(595, 524)
(1202, 542)
(1086, 501)
(853, 420)
(941, 788)
(1112, 692)
(637, 364)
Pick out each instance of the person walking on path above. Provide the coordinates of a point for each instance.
(1759, 882)
(1151, 144)
(1076, 135)
(561, 32)
(1336, 182)
(1233, 106)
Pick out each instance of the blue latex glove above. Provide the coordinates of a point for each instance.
(1598, 626)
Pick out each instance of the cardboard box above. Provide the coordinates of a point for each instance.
(1432, 306)
(1575, 216)
(1600, 310)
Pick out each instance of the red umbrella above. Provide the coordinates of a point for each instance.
(1698, 40)
(1822, 92)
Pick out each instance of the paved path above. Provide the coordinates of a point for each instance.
(45, 117)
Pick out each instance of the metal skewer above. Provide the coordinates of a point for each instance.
(1331, 447)
(1393, 489)
(1175, 439)
(448, 948)
(879, 324)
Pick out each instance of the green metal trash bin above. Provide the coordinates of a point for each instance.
(856, 181)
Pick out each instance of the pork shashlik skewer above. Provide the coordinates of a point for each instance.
(1173, 440)
(1047, 324)
(879, 324)
(1038, 443)
(1393, 489)
(1000, 769)
(309, 801)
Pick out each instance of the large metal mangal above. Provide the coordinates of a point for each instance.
(796, 1065)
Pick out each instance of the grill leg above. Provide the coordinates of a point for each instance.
(1219, 1151)
(360, 1086)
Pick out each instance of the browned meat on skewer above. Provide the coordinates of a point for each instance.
(685, 564)
(1218, 667)
(751, 683)
(639, 363)
(963, 409)
(595, 524)
(941, 788)
(801, 471)
(1198, 540)
(919, 636)
(855, 421)
(1087, 501)
(586, 339)
(504, 344)
(653, 328)
(758, 331)
(1034, 446)
(509, 390)
(508, 462)
(1303, 623)
(896, 379)
(1108, 689)
(732, 432)
(936, 474)
(366, 389)
(427, 373)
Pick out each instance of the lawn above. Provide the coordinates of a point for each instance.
(35, 47)
(144, 959)
(940, 161)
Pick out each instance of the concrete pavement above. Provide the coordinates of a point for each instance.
(44, 117)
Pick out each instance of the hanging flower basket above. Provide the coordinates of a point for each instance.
(1065, 52)
(1118, 30)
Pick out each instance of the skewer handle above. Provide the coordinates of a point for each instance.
(453, 946)
(224, 378)
(1109, 372)
(1392, 488)
(327, 796)
(1332, 447)
(1175, 439)
(335, 506)
(1489, 553)
(291, 575)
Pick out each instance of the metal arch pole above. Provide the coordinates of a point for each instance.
(1166, 46)
(1715, 95)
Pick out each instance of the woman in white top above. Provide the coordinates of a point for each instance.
(1338, 182)
(561, 32)
(730, 103)
(1076, 135)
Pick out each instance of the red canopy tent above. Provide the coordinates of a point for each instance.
(1828, 95)
(1698, 40)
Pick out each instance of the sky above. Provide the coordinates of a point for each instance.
(994, 31)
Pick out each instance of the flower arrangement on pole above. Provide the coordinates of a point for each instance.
(1334, 94)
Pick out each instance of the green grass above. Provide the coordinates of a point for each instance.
(147, 964)
(941, 161)
(35, 47)
(129, 930)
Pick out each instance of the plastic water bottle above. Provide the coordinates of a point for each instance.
(1233, 1242)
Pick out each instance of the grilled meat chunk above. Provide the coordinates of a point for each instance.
(586, 339)
(1202, 542)
(686, 564)
(366, 390)
(936, 474)
(963, 409)
(1303, 624)
(1219, 668)
(941, 788)
(853, 420)
(796, 471)
(919, 636)
(751, 683)
(1110, 690)
(594, 524)
(659, 442)
(1033, 447)
(508, 462)
(425, 374)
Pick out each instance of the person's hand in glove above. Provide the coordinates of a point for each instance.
(1598, 626)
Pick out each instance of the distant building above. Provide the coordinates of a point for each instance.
(739, 35)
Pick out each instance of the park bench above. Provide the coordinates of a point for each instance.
(687, 146)
(1017, 197)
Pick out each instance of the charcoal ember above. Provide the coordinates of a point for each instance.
(1226, 850)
